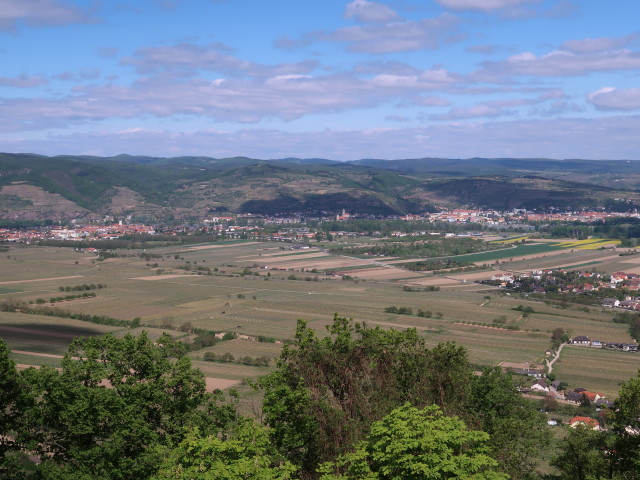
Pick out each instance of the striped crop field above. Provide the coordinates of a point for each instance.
(515, 252)
(535, 248)
(590, 244)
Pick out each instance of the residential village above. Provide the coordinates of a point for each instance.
(233, 225)
(610, 291)
(556, 392)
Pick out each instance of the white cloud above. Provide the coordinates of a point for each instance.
(380, 38)
(483, 5)
(486, 49)
(369, 12)
(592, 45)
(427, 80)
(603, 138)
(475, 111)
(559, 63)
(22, 81)
(396, 118)
(188, 57)
(285, 96)
(432, 101)
(428, 33)
(247, 97)
(389, 67)
(497, 108)
(557, 108)
(610, 98)
(39, 12)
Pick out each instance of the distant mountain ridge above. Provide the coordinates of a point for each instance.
(38, 187)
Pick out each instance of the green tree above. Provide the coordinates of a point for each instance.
(114, 401)
(245, 453)
(518, 432)
(417, 444)
(626, 425)
(585, 455)
(326, 392)
(13, 400)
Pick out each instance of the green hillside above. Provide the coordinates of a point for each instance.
(37, 187)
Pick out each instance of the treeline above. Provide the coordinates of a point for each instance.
(227, 357)
(13, 306)
(84, 286)
(409, 311)
(633, 322)
(386, 227)
(20, 224)
(64, 298)
(626, 229)
(131, 242)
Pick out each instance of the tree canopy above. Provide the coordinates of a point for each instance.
(113, 402)
(421, 444)
(326, 393)
(245, 453)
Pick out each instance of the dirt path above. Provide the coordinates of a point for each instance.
(556, 357)
(37, 354)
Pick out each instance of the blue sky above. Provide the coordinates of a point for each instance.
(332, 79)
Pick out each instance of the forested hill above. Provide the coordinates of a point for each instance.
(38, 187)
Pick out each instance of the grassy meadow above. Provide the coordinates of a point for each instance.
(262, 289)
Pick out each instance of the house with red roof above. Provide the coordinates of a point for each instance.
(584, 422)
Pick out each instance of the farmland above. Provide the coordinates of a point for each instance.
(261, 289)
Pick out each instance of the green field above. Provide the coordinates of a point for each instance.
(515, 252)
(597, 370)
(264, 302)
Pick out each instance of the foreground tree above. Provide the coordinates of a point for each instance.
(13, 400)
(113, 404)
(586, 454)
(417, 444)
(245, 453)
(326, 392)
(626, 427)
(518, 431)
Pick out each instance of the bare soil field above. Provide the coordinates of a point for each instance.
(51, 335)
(152, 278)
(214, 384)
(328, 263)
(436, 281)
(384, 273)
(214, 246)
(275, 256)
